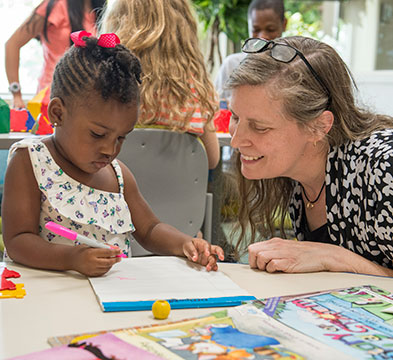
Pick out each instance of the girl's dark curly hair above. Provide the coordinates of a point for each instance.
(114, 73)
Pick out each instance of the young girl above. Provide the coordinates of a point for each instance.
(176, 93)
(73, 178)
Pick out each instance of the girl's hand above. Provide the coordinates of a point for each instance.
(292, 256)
(201, 252)
(93, 261)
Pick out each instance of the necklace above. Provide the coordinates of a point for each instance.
(310, 204)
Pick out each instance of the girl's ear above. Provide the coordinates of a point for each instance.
(56, 111)
(322, 125)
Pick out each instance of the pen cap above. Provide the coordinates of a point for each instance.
(61, 230)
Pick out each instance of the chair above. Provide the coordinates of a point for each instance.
(171, 170)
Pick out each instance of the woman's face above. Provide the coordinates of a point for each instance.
(270, 144)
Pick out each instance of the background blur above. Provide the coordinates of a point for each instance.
(360, 30)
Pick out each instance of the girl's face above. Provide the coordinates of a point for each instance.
(90, 135)
(265, 24)
(270, 144)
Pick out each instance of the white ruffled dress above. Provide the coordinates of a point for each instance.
(97, 214)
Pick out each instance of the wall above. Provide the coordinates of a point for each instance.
(376, 90)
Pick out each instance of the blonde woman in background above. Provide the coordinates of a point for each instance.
(176, 91)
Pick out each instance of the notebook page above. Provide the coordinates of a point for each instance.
(162, 277)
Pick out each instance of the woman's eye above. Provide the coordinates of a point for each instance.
(96, 135)
(257, 128)
(261, 130)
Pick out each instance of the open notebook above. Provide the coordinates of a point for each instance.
(134, 284)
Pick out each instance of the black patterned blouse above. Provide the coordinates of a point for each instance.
(359, 198)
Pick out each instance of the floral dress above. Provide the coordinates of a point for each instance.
(97, 214)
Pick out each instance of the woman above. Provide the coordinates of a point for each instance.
(176, 92)
(52, 23)
(305, 146)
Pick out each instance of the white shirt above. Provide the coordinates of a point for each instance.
(226, 68)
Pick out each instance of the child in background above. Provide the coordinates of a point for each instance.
(176, 91)
(72, 177)
(266, 19)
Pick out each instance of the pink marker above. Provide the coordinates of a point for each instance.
(72, 235)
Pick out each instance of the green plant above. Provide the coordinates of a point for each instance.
(304, 18)
(227, 16)
(230, 17)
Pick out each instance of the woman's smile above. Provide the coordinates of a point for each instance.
(250, 159)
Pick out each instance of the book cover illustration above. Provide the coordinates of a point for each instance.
(351, 323)
(223, 335)
(102, 347)
(357, 321)
(217, 337)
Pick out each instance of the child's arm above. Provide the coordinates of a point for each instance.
(164, 239)
(21, 215)
(212, 146)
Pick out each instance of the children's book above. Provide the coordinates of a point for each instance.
(135, 283)
(350, 323)
(103, 347)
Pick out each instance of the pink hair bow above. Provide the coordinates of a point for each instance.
(108, 40)
(77, 38)
(105, 40)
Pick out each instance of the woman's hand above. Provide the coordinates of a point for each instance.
(17, 102)
(292, 256)
(94, 261)
(201, 252)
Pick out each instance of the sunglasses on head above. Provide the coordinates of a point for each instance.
(284, 53)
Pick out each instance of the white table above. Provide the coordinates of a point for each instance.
(7, 139)
(59, 303)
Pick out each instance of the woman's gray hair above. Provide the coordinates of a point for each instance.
(303, 97)
(264, 202)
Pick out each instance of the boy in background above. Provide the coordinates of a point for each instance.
(266, 19)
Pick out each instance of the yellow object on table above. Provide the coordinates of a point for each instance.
(18, 293)
(161, 309)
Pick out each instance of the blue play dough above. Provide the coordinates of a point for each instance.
(228, 336)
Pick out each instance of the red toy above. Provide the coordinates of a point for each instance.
(221, 120)
(21, 120)
(42, 126)
(7, 284)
